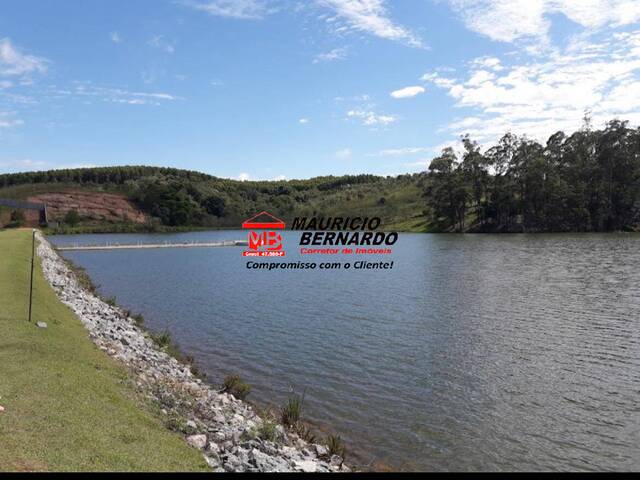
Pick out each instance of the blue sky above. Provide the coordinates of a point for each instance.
(270, 89)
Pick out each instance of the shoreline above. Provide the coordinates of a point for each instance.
(176, 230)
(226, 430)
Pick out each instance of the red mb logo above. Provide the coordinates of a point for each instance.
(264, 240)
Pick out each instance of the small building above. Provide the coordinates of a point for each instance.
(35, 214)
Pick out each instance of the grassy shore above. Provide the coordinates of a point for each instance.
(68, 407)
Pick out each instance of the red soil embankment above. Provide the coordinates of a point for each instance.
(92, 206)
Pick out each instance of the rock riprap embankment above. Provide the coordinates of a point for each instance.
(227, 430)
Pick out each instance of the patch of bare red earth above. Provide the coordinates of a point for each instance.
(93, 206)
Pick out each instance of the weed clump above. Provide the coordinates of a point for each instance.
(305, 433)
(138, 319)
(234, 385)
(163, 340)
(336, 446)
(291, 413)
(269, 429)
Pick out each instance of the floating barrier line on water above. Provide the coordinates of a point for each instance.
(117, 246)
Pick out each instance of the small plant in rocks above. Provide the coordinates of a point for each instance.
(305, 433)
(138, 319)
(291, 413)
(268, 430)
(234, 385)
(111, 301)
(163, 340)
(195, 369)
(174, 422)
(336, 446)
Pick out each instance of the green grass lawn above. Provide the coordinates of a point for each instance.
(69, 407)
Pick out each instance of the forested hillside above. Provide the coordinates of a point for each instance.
(588, 181)
(179, 198)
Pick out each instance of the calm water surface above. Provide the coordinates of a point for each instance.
(476, 352)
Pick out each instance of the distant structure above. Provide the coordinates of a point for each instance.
(35, 213)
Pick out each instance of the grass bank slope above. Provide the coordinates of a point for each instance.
(68, 406)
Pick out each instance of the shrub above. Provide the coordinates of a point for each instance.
(72, 218)
(193, 366)
(305, 433)
(336, 446)
(110, 301)
(163, 340)
(234, 385)
(268, 430)
(138, 319)
(215, 205)
(291, 413)
(174, 422)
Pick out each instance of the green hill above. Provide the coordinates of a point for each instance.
(583, 182)
(172, 198)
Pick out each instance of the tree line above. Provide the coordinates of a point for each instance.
(588, 181)
(187, 198)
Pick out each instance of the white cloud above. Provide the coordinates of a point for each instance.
(10, 123)
(408, 92)
(304, 121)
(7, 122)
(509, 20)
(115, 37)
(244, 177)
(355, 98)
(538, 98)
(133, 101)
(369, 16)
(399, 152)
(6, 84)
(479, 77)
(419, 165)
(14, 62)
(438, 80)
(21, 165)
(158, 41)
(371, 118)
(343, 154)
(280, 178)
(238, 9)
(491, 63)
(117, 95)
(331, 56)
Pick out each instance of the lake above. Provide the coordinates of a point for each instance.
(476, 352)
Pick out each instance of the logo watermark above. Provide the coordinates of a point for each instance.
(264, 239)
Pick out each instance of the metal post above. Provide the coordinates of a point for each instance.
(33, 251)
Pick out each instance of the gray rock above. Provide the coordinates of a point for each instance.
(41, 325)
(306, 466)
(321, 450)
(191, 425)
(197, 441)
